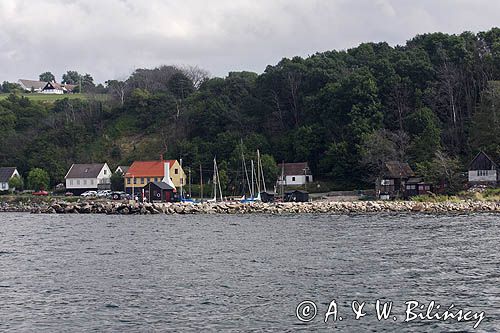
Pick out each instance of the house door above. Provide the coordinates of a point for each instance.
(168, 196)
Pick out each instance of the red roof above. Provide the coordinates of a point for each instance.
(148, 168)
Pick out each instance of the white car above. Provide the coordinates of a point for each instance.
(89, 194)
(103, 193)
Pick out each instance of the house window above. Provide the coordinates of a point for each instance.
(105, 171)
(78, 182)
(135, 180)
(482, 172)
(411, 187)
(128, 181)
(176, 171)
(142, 180)
(71, 181)
(92, 181)
(293, 179)
(85, 182)
(156, 179)
(149, 180)
(307, 179)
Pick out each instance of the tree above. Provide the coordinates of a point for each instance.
(423, 126)
(38, 179)
(16, 183)
(443, 169)
(47, 77)
(9, 87)
(71, 77)
(117, 89)
(117, 181)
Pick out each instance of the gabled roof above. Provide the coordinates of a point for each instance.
(148, 168)
(123, 168)
(163, 186)
(396, 169)
(85, 170)
(53, 85)
(6, 173)
(32, 84)
(482, 162)
(294, 169)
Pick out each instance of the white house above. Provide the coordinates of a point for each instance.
(483, 170)
(294, 174)
(6, 174)
(87, 177)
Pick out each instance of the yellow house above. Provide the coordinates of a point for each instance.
(141, 173)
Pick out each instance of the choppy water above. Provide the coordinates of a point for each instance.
(242, 273)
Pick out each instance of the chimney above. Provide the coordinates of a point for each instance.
(166, 174)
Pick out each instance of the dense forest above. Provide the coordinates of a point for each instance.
(434, 102)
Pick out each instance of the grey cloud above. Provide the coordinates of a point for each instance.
(110, 38)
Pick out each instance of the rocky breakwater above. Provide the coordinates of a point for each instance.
(123, 208)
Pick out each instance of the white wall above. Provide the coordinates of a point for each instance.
(296, 180)
(105, 174)
(81, 183)
(486, 176)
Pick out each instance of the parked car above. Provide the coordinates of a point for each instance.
(103, 193)
(89, 194)
(41, 193)
(69, 194)
(119, 195)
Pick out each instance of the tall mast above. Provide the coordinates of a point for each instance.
(283, 179)
(245, 169)
(261, 170)
(252, 189)
(201, 183)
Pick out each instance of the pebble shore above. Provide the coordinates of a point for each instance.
(319, 207)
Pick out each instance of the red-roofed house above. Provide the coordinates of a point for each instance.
(141, 173)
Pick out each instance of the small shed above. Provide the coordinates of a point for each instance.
(296, 196)
(267, 196)
(483, 170)
(159, 192)
(417, 186)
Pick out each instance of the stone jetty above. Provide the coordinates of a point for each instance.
(317, 207)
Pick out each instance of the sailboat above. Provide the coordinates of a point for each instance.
(182, 197)
(259, 176)
(217, 186)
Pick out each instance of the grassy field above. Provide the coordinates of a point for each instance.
(51, 98)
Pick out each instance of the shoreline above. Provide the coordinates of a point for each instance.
(317, 207)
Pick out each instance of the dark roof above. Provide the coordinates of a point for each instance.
(162, 185)
(85, 170)
(6, 173)
(482, 162)
(395, 169)
(124, 168)
(294, 169)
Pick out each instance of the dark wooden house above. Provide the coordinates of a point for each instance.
(159, 192)
(483, 171)
(417, 186)
(296, 196)
(392, 183)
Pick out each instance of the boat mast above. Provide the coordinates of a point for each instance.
(201, 183)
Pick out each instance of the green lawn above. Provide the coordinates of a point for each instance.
(55, 97)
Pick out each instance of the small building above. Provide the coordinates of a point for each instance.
(417, 186)
(294, 174)
(392, 183)
(88, 177)
(32, 85)
(141, 173)
(296, 196)
(6, 174)
(483, 171)
(123, 169)
(267, 196)
(159, 192)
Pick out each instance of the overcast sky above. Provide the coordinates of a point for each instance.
(109, 38)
